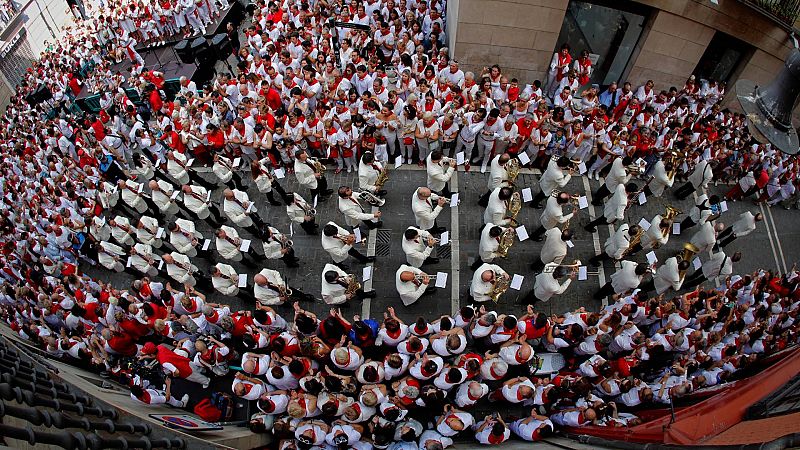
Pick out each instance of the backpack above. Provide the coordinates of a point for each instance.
(224, 402)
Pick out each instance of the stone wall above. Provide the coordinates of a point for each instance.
(519, 35)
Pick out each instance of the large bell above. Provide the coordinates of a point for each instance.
(769, 110)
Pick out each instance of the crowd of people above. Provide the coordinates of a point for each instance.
(120, 191)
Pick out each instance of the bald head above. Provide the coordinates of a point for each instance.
(260, 280)
(167, 258)
(228, 194)
(487, 275)
(153, 184)
(407, 276)
(423, 193)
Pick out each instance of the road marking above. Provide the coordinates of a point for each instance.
(601, 273)
(777, 239)
(455, 262)
(372, 239)
(771, 243)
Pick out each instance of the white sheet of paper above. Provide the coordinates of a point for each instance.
(483, 169)
(460, 158)
(141, 188)
(527, 195)
(583, 202)
(159, 233)
(570, 244)
(516, 282)
(523, 158)
(651, 257)
(236, 163)
(245, 247)
(243, 280)
(189, 162)
(174, 195)
(723, 206)
(208, 196)
(206, 244)
(444, 238)
(316, 199)
(357, 234)
(291, 228)
(582, 273)
(280, 174)
(697, 263)
(250, 208)
(398, 162)
(642, 198)
(454, 200)
(441, 280)
(522, 233)
(160, 264)
(676, 228)
(582, 168)
(644, 224)
(366, 273)
(130, 261)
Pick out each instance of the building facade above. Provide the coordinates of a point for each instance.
(661, 40)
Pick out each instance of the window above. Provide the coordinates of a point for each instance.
(608, 33)
(722, 58)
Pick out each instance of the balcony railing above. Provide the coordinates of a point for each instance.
(784, 11)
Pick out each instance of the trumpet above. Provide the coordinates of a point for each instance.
(421, 277)
(285, 241)
(549, 268)
(370, 198)
(350, 239)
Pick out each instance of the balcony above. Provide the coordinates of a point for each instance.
(785, 12)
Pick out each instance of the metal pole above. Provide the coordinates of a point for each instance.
(41, 14)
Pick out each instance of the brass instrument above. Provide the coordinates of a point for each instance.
(421, 277)
(285, 241)
(506, 241)
(514, 207)
(688, 252)
(318, 166)
(501, 285)
(637, 238)
(350, 239)
(307, 208)
(550, 268)
(383, 176)
(284, 291)
(512, 169)
(370, 198)
(352, 286)
(671, 213)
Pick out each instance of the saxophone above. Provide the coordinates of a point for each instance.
(383, 176)
(633, 242)
(500, 286)
(318, 166)
(512, 169)
(506, 241)
(352, 286)
(514, 207)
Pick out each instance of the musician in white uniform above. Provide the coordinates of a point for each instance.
(616, 176)
(418, 245)
(301, 212)
(143, 259)
(661, 179)
(268, 286)
(745, 225)
(426, 207)
(180, 268)
(368, 172)
(624, 280)
(718, 267)
(334, 286)
(185, 238)
(354, 212)
(498, 176)
(552, 178)
(497, 210)
(698, 180)
(308, 176)
(197, 202)
(147, 230)
(229, 244)
(227, 173)
(99, 229)
(654, 237)
(129, 191)
(121, 230)
(489, 244)
(412, 283)
(161, 192)
(110, 256)
(440, 170)
(667, 276)
(704, 209)
(339, 243)
(615, 207)
(706, 236)
(236, 205)
(483, 281)
(553, 215)
(554, 249)
(616, 244)
(225, 279)
(277, 245)
(548, 284)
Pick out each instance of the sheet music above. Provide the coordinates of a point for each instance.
(441, 280)
(243, 280)
(454, 200)
(280, 173)
(366, 273)
(444, 238)
(206, 244)
(245, 247)
(516, 282)
(644, 224)
(676, 228)
(523, 158)
(460, 158)
(583, 274)
(522, 233)
(583, 202)
(527, 195)
(652, 258)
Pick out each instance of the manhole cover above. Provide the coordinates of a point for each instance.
(383, 242)
(444, 252)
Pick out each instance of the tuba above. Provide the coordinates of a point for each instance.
(512, 169)
(506, 241)
(352, 286)
(501, 285)
(514, 207)
(688, 252)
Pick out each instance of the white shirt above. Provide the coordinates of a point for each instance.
(425, 210)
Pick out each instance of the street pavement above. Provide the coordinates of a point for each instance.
(773, 246)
